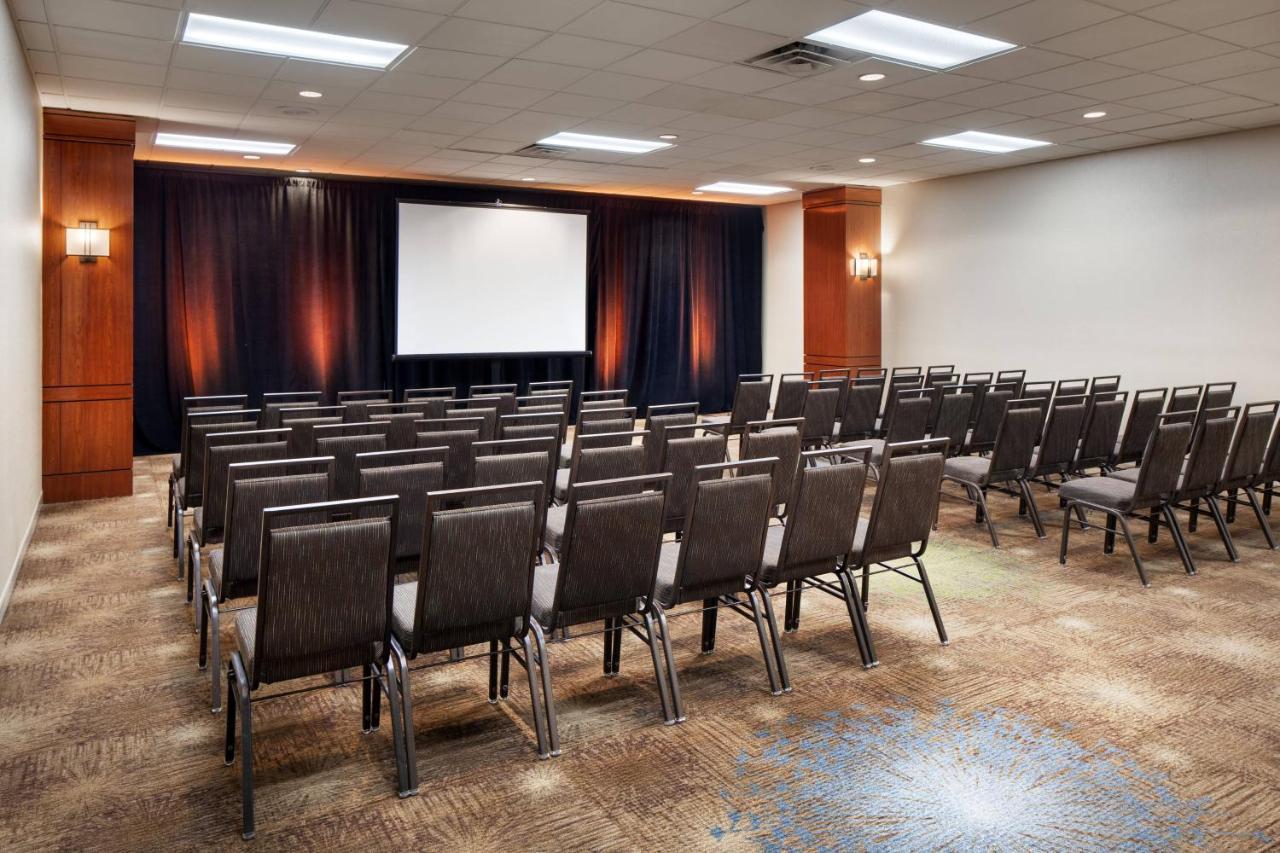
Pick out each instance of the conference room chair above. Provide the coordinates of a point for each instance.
(533, 425)
(1007, 467)
(223, 450)
(455, 435)
(516, 460)
(356, 403)
(611, 398)
(935, 384)
(777, 439)
(903, 512)
(401, 417)
(815, 541)
(447, 392)
(1041, 391)
(543, 403)
(1104, 384)
(906, 371)
(606, 569)
(1071, 388)
(900, 382)
(1186, 399)
(751, 396)
(994, 401)
(1156, 485)
(714, 563)
(500, 388)
(594, 421)
(188, 490)
(274, 401)
(1101, 432)
(302, 420)
(1264, 483)
(1245, 464)
(344, 444)
(231, 570)
(560, 387)
(599, 456)
(1144, 414)
(821, 406)
(1200, 480)
(1217, 395)
(1060, 442)
(906, 419)
(223, 406)
(980, 380)
(844, 375)
(324, 604)
(955, 406)
(861, 412)
(1017, 376)
(505, 403)
(656, 421)
(792, 388)
(940, 370)
(410, 475)
(470, 409)
(685, 455)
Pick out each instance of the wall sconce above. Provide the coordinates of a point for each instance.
(864, 267)
(88, 241)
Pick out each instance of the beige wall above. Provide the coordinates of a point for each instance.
(19, 306)
(783, 288)
(1159, 263)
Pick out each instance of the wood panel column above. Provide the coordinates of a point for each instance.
(88, 308)
(841, 312)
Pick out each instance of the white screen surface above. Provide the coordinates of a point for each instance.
(486, 280)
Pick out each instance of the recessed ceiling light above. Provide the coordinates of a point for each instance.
(308, 93)
(603, 143)
(252, 157)
(1095, 114)
(908, 40)
(990, 143)
(871, 78)
(234, 34)
(668, 136)
(216, 143)
(866, 159)
(527, 179)
(742, 189)
(696, 192)
(303, 171)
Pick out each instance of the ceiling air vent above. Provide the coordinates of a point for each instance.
(801, 59)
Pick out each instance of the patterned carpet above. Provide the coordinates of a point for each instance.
(1073, 709)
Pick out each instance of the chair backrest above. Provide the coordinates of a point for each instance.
(325, 591)
(302, 422)
(990, 414)
(907, 417)
(608, 456)
(509, 426)
(724, 536)
(457, 435)
(955, 412)
(940, 370)
(409, 474)
(274, 401)
(477, 408)
(1062, 431)
(861, 408)
(401, 417)
(823, 516)
(1144, 413)
(1071, 388)
(1016, 376)
(611, 398)
(980, 381)
(656, 421)
(515, 460)
(906, 501)
(1104, 384)
(505, 402)
(907, 371)
(936, 383)
(1016, 440)
(843, 375)
(870, 373)
(381, 395)
(901, 382)
(228, 448)
(609, 554)
(684, 452)
(475, 582)
(1162, 460)
(204, 405)
(552, 386)
(199, 427)
(792, 388)
(778, 439)
(344, 448)
(593, 421)
(442, 391)
(253, 487)
(751, 398)
(1038, 391)
(497, 388)
(1210, 446)
(1101, 429)
(1218, 395)
(425, 407)
(821, 405)
(1185, 398)
(1249, 449)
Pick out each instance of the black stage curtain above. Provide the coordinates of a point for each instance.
(247, 283)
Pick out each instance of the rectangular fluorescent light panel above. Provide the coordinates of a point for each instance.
(990, 143)
(742, 189)
(566, 139)
(234, 34)
(910, 41)
(216, 143)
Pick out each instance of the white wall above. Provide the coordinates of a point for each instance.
(783, 288)
(19, 306)
(1159, 263)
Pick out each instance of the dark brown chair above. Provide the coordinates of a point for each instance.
(1144, 413)
(956, 407)
(603, 456)
(1060, 442)
(517, 460)
(720, 553)
(477, 408)
(539, 403)
(411, 475)
(324, 604)
(233, 568)
(792, 388)
(612, 398)
(898, 384)
(344, 442)
(188, 489)
(906, 419)
(402, 417)
(599, 420)
(274, 401)
(495, 389)
(1104, 384)
(656, 421)
(980, 381)
(1246, 466)
(990, 415)
(861, 413)
(821, 406)
(302, 419)
(190, 406)
(1186, 399)
(684, 454)
(779, 440)
(1101, 432)
(504, 403)
(750, 402)
(446, 392)
(552, 386)
(356, 403)
(456, 434)
(1016, 376)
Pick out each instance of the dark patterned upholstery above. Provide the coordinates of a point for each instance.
(219, 458)
(272, 403)
(904, 507)
(656, 425)
(1071, 388)
(1101, 430)
(1143, 414)
(543, 423)
(343, 449)
(1015, 443)
(1162, 462)
(511, 468)
(411, 482)
(607, 462)
(192, 412)
(474, 409)
(821, 405)
(861, 409)
(1218, 395)
(1250, 448)
(1104, 384)
(908, 418)
(1110, 492)
(955, 413)
(302, 441)
(792, 389)
(610, 399)
(590, 424)
(443, 392)
(750, 400)
(457, 466)
(819, 531)
(682, 455)
(783, 442)
(1057, 450)
(990, 416)
(901, 382)
(192, 482)
(1208, 457)
(504, 403)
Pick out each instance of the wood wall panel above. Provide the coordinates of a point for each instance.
(841, 313)
(88, 308)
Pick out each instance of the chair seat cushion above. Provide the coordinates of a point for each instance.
(772, 547)
(403, 604)
(214, 560)
(1109, 492)
(970, 469)
(1129, 475)
(544, 592)
(556, 516)
(562, 484)
(714, 421)
(246, 626)
(859, 541)
(664, 588)
(566, 454)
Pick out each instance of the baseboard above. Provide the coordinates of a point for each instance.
(7, 591)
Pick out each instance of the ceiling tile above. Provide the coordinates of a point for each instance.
(814, 117)
(495, 95)
(1252, 118)
(1180, 97)
(788, 18)
(288, 13)
(1017, 64)
(926, 111)
(181, 98)
(449, 63)
(1251, 32)
(739, 79)
(1074, 76)
(994, 95)
(751, 108)
(1117, 34)
(375, 21)
(402, 82)
(1183, 130)
(225, 61)
(1218, 67)
(482, 37)
(485, 114)
(576, 50)
(663, 65)
(1043, 105)
(395, 102)
(42, 61)
(583, 106)
(711, 40)
(808, 92)
(37, 36)
(542, 15)
(630, 24)
(949, 12)
(1174, 51)
(1038, 20)
(113, 70)
(1221, 107)
(606, 84)
(1195, 15)
(28, 10)
(224, 84)
(110, 16)
(1260, 84)
(317, 75)
(1126, 87)
(538, 75)
(935, 86)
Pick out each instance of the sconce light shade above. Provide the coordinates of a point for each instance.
(865, 267)
(88, 241)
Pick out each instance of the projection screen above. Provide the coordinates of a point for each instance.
(490, 280)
